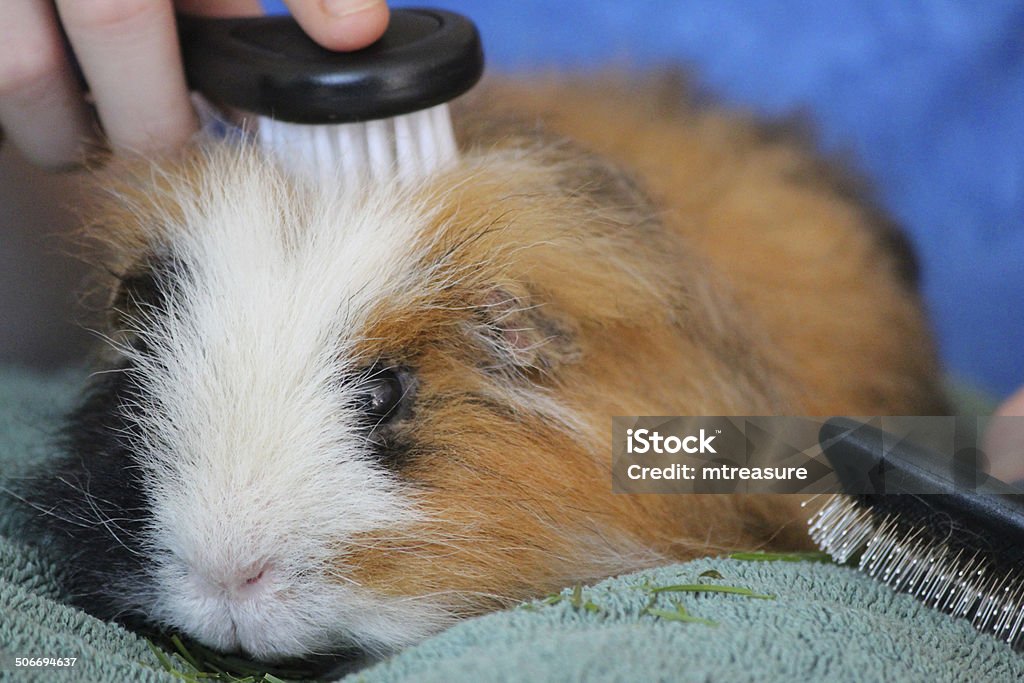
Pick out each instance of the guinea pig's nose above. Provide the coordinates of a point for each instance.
(253, 578)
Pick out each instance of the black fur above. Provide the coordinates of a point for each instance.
(89, 508)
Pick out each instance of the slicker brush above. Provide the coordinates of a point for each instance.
(958, 547)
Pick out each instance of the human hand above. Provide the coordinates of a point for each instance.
(128, 53)
(1004, 440)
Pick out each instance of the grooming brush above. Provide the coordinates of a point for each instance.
(957, 548)
(379, 113)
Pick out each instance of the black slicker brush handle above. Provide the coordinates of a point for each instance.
(869, 461)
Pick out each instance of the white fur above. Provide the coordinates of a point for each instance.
(250, 451)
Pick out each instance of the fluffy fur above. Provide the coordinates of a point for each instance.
(600, 250)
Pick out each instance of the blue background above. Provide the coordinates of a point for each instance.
(925, 96)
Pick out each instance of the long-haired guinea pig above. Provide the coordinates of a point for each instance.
(330, 418)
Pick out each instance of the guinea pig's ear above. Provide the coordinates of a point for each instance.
(522, 335)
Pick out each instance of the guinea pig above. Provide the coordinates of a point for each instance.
(329, 417)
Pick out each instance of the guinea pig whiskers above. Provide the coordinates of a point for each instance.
(110, 371)
(342, 576)
(461, 594)
(78, 521)
(109, 523)
(121, 347)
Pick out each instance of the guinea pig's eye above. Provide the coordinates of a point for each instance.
(382, 393)
(137, 291)
(138, 295)
(145, 287)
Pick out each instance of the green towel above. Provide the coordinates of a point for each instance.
(822, 622)
(825, 623)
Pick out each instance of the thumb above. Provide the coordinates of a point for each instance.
(341, 24)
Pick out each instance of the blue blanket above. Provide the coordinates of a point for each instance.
(926, 96)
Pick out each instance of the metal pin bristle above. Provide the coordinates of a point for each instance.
(963, 584)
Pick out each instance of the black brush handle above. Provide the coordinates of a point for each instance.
(870, 462)
(269, 66)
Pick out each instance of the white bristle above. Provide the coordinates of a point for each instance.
(402, 149)
(958, 583)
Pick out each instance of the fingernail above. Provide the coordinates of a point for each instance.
(344, 8)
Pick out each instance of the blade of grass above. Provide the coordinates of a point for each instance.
(577, 596)
(705, 588)
(165, 661)
(168, 665)
(680, 614)
(183, 651)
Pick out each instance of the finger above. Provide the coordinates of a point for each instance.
(341, 24)
(1014, 405)
(41, 105)
(128, 51)
(220, 8)
(1004, 440)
